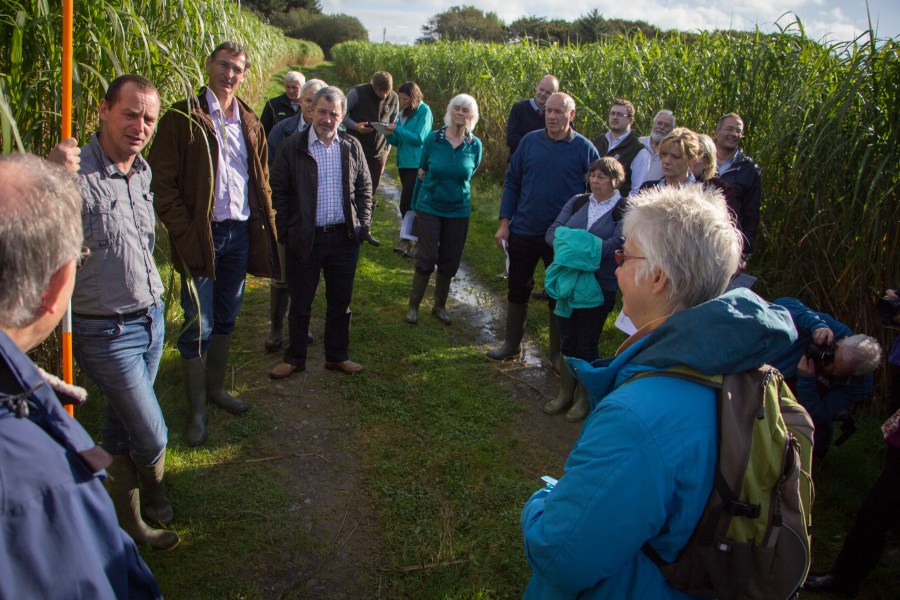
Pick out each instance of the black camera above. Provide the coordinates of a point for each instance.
(888, 308)
(821, 354)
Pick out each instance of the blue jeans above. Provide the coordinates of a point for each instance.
(335, 256)
(220, 299)
(121, 357)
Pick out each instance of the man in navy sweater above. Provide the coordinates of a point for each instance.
(547, 169)
(528, 115)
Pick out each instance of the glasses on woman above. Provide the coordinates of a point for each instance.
(621, 257)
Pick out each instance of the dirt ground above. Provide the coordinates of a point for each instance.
(320, 461)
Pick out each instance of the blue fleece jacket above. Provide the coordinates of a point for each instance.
(541, 176)
(643, 466)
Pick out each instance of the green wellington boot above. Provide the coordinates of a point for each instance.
(155, 505)
(122, 486)
(195, 387)
(416, 293)
(441, 291)
(515, 328)
(216, 364)
(581, 407)
(563, 400)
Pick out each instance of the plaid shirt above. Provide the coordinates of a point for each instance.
(329, 209)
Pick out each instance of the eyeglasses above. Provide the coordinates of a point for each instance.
(621, 257)
(615, 113)
(82, 256)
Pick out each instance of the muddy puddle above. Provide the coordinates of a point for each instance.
(474, 303)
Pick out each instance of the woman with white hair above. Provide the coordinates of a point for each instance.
(443, 204)
(642, 469)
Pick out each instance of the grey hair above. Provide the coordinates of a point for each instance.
(568, 101)
(332, 94)
(708, 152)
(668, 113)
(864, 351)
(312, 83)
(294, 77)
(687, 233)
(40, 231)
(466, 101)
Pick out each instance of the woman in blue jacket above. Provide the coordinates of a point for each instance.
(409, 137)
(443, 204)
(579, 334)
(642, 469)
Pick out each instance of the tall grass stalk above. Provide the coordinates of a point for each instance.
(821, 120)
(166, 41)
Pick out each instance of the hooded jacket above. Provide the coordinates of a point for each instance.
(642, 469)
(60, 535)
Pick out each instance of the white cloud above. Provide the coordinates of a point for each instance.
(839, 20)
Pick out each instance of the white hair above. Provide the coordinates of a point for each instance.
(464, 100)
(864, 351)
(666, 112)
(318, 84)
(294, 77)
(687, 233)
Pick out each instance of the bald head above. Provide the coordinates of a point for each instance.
(546, 87)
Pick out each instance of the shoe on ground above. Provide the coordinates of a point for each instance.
(283, 370)
(827, 582)
(345, 366)
(310, 338)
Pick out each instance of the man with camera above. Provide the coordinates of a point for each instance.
(828, 368)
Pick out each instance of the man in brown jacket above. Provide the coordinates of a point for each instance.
(211, 188)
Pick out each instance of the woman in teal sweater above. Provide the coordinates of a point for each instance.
(409, 137)
(443, 204)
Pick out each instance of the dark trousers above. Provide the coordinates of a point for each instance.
(866, 540)
(333, 255)
(441, 242)
(579, 334)
(524, 253)
(376, 168)
(408, 179)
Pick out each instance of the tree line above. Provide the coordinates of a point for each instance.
(470, 23)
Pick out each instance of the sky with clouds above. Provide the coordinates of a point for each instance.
(401, 22)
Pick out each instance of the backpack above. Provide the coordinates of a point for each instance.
(753, 538)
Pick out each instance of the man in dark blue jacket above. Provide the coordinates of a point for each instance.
(827, 391)
(60, 535)
(740, 172)
(547, 169)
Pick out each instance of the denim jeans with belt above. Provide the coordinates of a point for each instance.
(220, 299)
(121, 356)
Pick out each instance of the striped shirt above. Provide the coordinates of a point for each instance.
(329, 205)
(232, 172)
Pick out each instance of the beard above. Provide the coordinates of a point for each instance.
(657, 137)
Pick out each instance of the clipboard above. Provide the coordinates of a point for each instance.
(380, 127)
